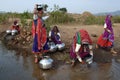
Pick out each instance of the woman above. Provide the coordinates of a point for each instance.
(16, 27)
(54, 35)
(39, 34)
(106, 40)
(81, 46)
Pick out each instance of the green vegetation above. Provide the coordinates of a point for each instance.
(57, 16)
(3, 18)
(116, 19)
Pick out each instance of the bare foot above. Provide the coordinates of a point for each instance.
(36, 60)
(113, 52)
(73, 64)
(96, 46)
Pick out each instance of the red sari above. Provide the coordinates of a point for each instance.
(84, 37)
(39, 34)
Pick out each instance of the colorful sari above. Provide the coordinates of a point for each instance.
(79, 38)
(39, 34)
(55, 37)
(106, 39)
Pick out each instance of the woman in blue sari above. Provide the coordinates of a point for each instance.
(54, 35)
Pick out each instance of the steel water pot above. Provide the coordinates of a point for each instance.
(46, 62)
(89, 60)
(52, 46)
(14, 32)
(8, 31)
(60, 46)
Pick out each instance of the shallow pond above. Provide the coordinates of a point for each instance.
(19, 67)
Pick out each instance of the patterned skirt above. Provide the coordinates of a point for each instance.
(35, 45)
(104, 43)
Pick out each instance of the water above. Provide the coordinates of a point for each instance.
(14, 67)
(19, 67)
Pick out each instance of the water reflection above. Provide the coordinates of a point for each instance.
(15, 66)
(115, 70)
(12, 66)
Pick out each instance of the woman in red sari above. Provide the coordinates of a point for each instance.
(16, 27)
(39, 33)
(81, 46)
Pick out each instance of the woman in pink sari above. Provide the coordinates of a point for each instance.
(106, 40)
(81, 46)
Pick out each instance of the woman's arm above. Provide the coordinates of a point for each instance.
(49, 33)
(105, 27)
(91, 51)
(78, 46)
(58, 34)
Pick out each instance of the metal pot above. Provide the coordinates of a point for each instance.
(14, 32)
(60, 46)
(52, 46)
(46, 62)
(89, 60)
(8, 31)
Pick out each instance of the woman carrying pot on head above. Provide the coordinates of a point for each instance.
(106, 40)
(39, 34)
(54, 35)
(81, 48)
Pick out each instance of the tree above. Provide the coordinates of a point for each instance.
(63, 10)
(45, 6)
(56, 7)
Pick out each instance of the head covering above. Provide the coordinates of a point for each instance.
(55, 29)
(15, 22)
(85, 38)
(108, 20)
(39, 7)
(85, 41)
(106, 34)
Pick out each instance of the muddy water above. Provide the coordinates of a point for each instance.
(19, 67)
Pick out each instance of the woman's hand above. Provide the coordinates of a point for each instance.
(83, 62)
(109, 31)
(50, 39)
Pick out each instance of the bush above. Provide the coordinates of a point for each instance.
(3, 18)
(59, 17)
(116, 19)
(26, 15)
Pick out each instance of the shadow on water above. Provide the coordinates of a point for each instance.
(14, 66)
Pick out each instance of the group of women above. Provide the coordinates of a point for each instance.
(81, 47)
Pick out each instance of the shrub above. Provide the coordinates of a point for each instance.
(116, 19)
(59, 17)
